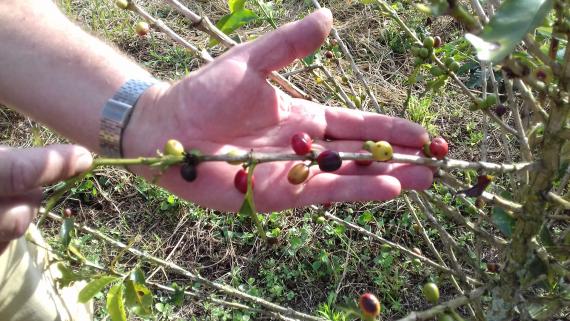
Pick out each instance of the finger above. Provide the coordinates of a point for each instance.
(291, 41)
(3, 246)
(327, 188)
(414, 177)
(347, 124)
(24, 169)
(16, 214)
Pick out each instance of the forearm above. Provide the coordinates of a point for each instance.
(56, 73)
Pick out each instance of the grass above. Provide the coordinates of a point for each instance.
(313, 267)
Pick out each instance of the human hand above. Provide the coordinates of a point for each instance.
(229, 104)
(22, 173)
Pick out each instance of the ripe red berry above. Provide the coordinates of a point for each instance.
(301, 143)
(240, 181)
(329, 54)
(298, 174)
(142, 28)
(369, 305)
(438, 148)
(188, 172)
(329, 161)
(493, 267)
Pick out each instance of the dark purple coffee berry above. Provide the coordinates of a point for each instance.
(188, 172)
(500, 110)
(329, 161)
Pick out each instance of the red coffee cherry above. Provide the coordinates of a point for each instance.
(240, 181)
(500, 110)
(369, 305)
(301, 143)
(493, 267)
(439, 148)
(298, 174)
(363, 162)
(329, 161)
(329, 54)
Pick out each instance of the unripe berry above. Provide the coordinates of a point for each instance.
(417, 251)
(448, 61)
(439, 148)
(142, 28)
(301, 143)
(234, 153)
(321, 220)
(382, 151)
(491, 100)
(173, 148)
(436, 71)
(123, 4)
(454, 66)
(429, 42)
(368, 145)
(431, 292)
(329, 161)
(298, 174)
(423, 53)
(240, 181)
(363, 162)
(188, 172)
(369, 305)
(437, 42)
(426, 150)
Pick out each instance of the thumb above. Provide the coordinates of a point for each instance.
(298, 39)
(22, 170)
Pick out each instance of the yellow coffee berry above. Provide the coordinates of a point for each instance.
(382, 151)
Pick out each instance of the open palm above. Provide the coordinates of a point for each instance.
(229, 104)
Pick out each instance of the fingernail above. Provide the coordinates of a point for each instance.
(84, 162)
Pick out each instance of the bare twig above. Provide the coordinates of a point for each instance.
(449, 305)
(523, 140)
(458, 273)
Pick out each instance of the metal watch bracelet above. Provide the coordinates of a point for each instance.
(116, 114)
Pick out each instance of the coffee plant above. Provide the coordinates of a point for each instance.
(519, 54)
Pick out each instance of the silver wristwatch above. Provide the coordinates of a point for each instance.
(116, 114)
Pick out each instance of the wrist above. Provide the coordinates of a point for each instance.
(140, 135)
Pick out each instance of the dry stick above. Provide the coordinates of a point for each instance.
(301, 70)
(194, 276)
(476, 5)
(205, 25)
(485, 143)
(442, 308)
(447, 239)
(558, 200)
(459, 273)
(353, 65)
(455, 215)
(488, 197)
(523, 140)
(169, 32)
(433, 248)
(530, 98)
(339, 89)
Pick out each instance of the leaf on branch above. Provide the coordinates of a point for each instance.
(507, 28)
(231, 22)
(504, 221)
(544, 310)
(68, 276)
(67, 231)
(94, 287)
(236, 5)
(115, 304)
(138, 298)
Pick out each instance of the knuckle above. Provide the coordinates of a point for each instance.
(21, 176)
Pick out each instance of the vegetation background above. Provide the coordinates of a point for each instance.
(313, 266)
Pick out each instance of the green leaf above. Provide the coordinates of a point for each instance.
(67, 231)
(94, 287)
(230, 23)
(236, 5)
(68, 276)
(137, 275)
(246, 207)
(115, 304)
(138, 298)
(509, 25)
(504, 221)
